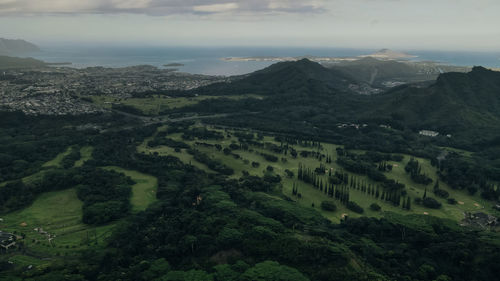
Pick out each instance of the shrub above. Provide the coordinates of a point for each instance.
(472, 190)
(442, 193)
(375, 207)
(328, 206)
(452, 201)
(430, 202)
(269, 168)
(234, 146)
(353, 206)
(269, 157)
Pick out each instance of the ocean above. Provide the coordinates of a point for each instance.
(208, 60)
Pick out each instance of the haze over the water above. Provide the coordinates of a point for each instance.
(403, 24)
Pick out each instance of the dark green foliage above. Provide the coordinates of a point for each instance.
(353, 206)
(209, 227)
(157, 141)
(328, 206)
(16, 195)
(201, 133)
(272, 271)
(451, 201)
(69, 160)
(441, 193)
(105, 196)
(128, 109)
(414, 169)
(375, 207)
(430, 202)
(269, 157)
(210, 162)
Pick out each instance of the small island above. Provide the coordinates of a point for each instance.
(173, 65)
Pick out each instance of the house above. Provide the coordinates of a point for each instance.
(7, 240)
(480, 219)
(428, 133)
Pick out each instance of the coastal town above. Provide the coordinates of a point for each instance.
(65, 91)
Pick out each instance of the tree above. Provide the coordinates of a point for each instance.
(408, 203)
(375, 207)
(431, 203)
(272, 271)
(328, 206)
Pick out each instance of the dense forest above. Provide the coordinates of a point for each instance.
(210, 227)
(208, 222)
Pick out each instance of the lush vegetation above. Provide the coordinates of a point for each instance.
(299, 191)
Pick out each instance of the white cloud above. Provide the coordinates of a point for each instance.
(131, 4)
(216, 8)
(157, 7)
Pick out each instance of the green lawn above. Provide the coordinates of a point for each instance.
(56, 162)
(143, 192)
(86, 154)
(156, 104)
(58, 213)
(311, 195)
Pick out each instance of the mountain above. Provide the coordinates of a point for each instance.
(16, 47)
(461, 104)
(455, 103)
(390, 73)
(375, 71)
(285, 77)
(13, 62)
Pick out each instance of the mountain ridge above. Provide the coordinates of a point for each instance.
(17, 47)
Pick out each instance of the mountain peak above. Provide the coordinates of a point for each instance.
(480, 69)
(17, 47)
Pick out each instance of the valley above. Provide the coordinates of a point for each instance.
(296, 158)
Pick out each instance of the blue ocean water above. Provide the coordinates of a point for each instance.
(208, 60)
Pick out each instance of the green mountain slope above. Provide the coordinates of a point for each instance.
(456, 102)
(284, 77)
(15, 47)
(13, 62)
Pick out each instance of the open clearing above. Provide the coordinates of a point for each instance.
(312, 195)
(143, 192)
(56, 162)
(58, 214)
(85, 154)
(156, 104)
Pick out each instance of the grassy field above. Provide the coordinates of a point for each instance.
(86, 154)
(156, 104)
(143, 192)
(52, 224)
(311, 195)
(59, 214)
(56, 162)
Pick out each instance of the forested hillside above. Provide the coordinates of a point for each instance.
(289, 173)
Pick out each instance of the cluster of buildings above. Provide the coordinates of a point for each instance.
(64, 90)
(7, 241)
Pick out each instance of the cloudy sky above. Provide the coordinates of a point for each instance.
(409, 24)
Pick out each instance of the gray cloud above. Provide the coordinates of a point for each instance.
(159, 7)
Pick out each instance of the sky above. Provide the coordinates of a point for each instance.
(403, 24)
